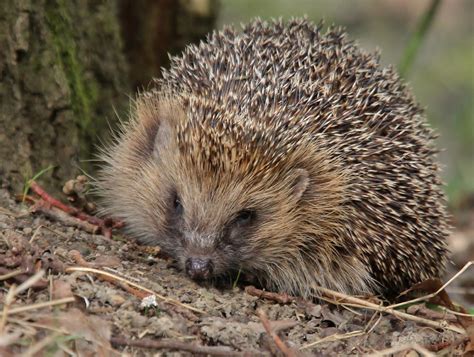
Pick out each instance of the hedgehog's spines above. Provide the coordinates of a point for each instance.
(256, 105)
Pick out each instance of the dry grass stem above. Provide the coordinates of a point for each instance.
(11, 274)
(429, 296)
(40, 305)
(8, 212)
(37, 230)
(356, 302)
(128, 282)
(335, 337)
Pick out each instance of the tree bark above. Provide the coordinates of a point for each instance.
(154, 29)
(62, 72)
(67, 67)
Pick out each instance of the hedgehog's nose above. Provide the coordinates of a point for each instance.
(198, 268)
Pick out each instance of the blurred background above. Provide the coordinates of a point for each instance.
(442, 74)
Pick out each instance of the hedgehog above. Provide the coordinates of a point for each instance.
(285, 152)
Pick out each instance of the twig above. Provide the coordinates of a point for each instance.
(40, 305)
(63, 217)
(176, 346)
(10, 274)
(20, 276)
(278, 342)
(13, 292)
(106, 225)
(353, 301)
(445, 344)
(62, 235)
(128, 282)
(281, 298)
(335, 337)
(429, 296)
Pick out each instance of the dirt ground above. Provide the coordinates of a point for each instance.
(76, 310)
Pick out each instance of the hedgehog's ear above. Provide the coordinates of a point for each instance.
(163, 135)
(169, 113)
(300, 183)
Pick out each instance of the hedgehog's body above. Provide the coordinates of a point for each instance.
(287, 153)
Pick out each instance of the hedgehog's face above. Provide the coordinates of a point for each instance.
(212, 231)
(217, 222)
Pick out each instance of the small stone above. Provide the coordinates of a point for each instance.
(149, 301)
(116, 300)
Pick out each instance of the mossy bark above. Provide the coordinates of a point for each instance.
(62, 73)
(65, 72)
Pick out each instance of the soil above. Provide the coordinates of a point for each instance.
(108, 318)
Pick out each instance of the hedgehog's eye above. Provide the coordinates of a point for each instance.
(244, 216)
(177, 205)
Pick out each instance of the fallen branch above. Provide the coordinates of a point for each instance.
(281, 298)
(343, 299)
(63, 217)
(105, 225)
(175, 346)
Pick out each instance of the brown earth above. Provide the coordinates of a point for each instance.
(103, 317)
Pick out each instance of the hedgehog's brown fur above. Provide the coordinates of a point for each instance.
(328, 150)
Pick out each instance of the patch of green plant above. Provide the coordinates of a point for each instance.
(150, 311)
(234, 284)
(434, 307)
(27, 185)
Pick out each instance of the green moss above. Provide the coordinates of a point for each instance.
(82, 96)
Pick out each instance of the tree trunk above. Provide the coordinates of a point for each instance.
(61, 74)
(66, 67)
(154, 29)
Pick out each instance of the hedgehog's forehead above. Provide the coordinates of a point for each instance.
(225, 147)
(232, 143)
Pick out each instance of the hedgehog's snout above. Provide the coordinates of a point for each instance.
(199, 268)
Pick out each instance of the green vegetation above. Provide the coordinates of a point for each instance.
(27, 185)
